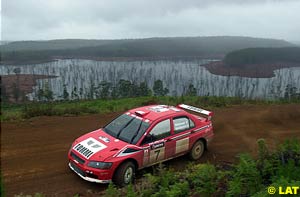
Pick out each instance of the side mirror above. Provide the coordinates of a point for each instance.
(148, 138)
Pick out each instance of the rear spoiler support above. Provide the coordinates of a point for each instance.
(209, 114)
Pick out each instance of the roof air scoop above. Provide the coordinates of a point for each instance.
(141, 113)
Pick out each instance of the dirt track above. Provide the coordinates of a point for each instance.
(34, 152)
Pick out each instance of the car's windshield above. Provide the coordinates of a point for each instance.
(127, 128)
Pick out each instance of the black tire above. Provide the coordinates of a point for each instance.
(197, 150)
(124, 174)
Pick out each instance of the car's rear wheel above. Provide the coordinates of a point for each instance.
(197, 150)
(125, 173)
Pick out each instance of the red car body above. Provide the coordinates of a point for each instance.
(157, 133)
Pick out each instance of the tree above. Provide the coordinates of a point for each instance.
(92, 91)
(191, 91)
(4, 96)
(114, 92)
(74, 94)
(81, 92)
(291, 92)
(135, 90)
(16, 92)
(144, 90)
(125, 88)
(45, 93)
(65, 93)
(48, 94)
(158, 88)
(40, 94)
(104, 90)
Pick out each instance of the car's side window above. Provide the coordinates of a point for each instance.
(192, 124)
(182, 124)
(159, 131)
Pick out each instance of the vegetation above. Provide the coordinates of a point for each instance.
(249, 177)
(35, 51)
(2, 193)
(59, 108)
(262, 55)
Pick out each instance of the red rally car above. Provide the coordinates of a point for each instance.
(140, 138)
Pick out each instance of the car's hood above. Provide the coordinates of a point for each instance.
(97, 145)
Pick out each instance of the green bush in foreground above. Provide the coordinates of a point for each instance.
(249, 177)
(203, 178)
(246, 177)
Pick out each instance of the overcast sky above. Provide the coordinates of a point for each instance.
(115, 19)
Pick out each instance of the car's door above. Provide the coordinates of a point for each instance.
(156, 143)
(180, 140)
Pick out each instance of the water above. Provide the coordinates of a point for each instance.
(176, 76)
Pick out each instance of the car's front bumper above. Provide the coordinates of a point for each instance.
(87, 178)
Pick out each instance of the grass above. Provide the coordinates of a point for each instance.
(16, 112)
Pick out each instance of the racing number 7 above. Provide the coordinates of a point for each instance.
(157, 153)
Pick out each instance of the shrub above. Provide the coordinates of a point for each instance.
(179, 189)
(264, 163)
(203, 178)
(130, 191)
(37, 110)
(246, 179)
(112, 191)
(249, 177)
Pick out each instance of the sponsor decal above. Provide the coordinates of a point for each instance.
(157, 155)
(157, 145)
(105, 139)
(89, 147)
(175, 109)
(159, 108)
(201, 128)
(181, 136)
(182, 145)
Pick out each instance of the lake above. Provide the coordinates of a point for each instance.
(176, 76)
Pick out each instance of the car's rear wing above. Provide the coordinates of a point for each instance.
(209, 114)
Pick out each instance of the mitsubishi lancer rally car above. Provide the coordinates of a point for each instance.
(140, 138)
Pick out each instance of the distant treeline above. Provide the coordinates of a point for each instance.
(262, 56)
(203, 47)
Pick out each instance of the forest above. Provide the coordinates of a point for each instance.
(262, 56)
(22, 52)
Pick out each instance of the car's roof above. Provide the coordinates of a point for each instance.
(154, 112)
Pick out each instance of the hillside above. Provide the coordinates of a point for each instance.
(296, 43)
(256, 62)
(36, 45)
(203, 47)
(261, 56)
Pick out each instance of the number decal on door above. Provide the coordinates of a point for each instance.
(157, 155)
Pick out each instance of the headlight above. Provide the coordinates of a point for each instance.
(99, 165)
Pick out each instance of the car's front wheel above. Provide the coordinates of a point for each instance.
(125, 173)
(197, 150)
